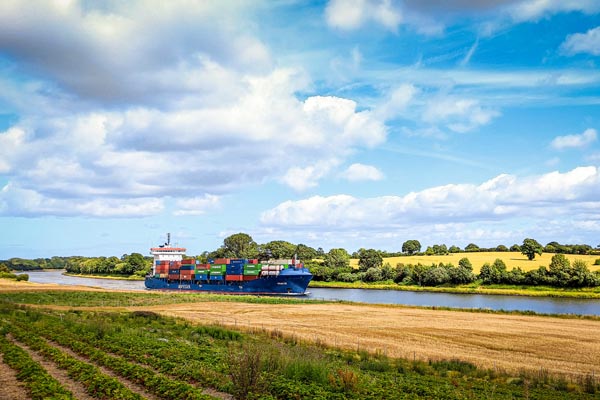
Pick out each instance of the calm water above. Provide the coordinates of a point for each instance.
(492, 302)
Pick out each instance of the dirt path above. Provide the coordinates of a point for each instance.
(60, 375)
(510, 342)
(10, 387)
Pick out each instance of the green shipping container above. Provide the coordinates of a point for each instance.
(216, 273)
(251, 273)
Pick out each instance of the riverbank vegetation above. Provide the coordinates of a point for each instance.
(172, 359)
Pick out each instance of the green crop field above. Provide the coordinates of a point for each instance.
(140, 354)
(511, 259)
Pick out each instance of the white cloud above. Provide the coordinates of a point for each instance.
(431, 17)
(362, 172)
(588, 42)
(196, 205)
(16, 201)
(458, 114)
(353, 14)
(527, 10)
(501, 198)
(574, 141)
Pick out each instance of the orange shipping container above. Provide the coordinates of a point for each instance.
(222, 261)
(237, 278)
(250, 277)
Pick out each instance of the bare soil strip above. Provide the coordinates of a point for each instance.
(134, 387)
(10, 387)
(509, 342)
(60, 375)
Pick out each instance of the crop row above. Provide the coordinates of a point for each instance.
(252, 366)
(38, 382)
(96, 383)
(160, 385)
(184, 353)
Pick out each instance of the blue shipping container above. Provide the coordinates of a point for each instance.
(187, 267)
(201, 277)
(174, 271)
(216, 277)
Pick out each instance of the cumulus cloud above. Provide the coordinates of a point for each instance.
(81, 46)
(362, 172)
(458, 114)
(575, 141)
(575, 192)
(588, 42)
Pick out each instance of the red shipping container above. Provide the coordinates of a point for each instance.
(174, 277)
(188, 261)
(254, 261)
(237, 278)
(222, 261)
(250, 277)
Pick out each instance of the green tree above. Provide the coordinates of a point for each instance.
(337, 258)
(411, 247)
(370, 258)
(530, 248)
(454, 249)
(465, 263)
(472, 247)
(278, 249)
(240, 245)
(501, 248)
(305, 252)
(515, 247)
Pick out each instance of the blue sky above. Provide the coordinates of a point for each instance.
(358, 123)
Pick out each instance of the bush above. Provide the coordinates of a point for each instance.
(22, 277)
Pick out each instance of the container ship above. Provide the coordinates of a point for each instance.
(171, 270)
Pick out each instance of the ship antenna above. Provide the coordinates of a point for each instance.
(168, 239)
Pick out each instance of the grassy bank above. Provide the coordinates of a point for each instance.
(535, 291)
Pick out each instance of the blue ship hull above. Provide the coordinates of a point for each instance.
(290, 281)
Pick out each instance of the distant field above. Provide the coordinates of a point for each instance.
(511, 259)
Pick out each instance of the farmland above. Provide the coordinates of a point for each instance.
(152, 345)
(511, 259)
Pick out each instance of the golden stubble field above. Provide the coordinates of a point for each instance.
(511, 259)
(509, 342)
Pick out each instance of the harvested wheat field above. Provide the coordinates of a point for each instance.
(510, 342)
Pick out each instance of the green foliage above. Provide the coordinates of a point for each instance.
(337, 258)
(454, 249)
(240, 245)
(22, 277)
(502, 248)
(277, 249)
(165, 355)
(515, 247)
(369, 258)
(411, 247)
(472, 247)
(37, 381)
(305, 252)
(530, 248)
